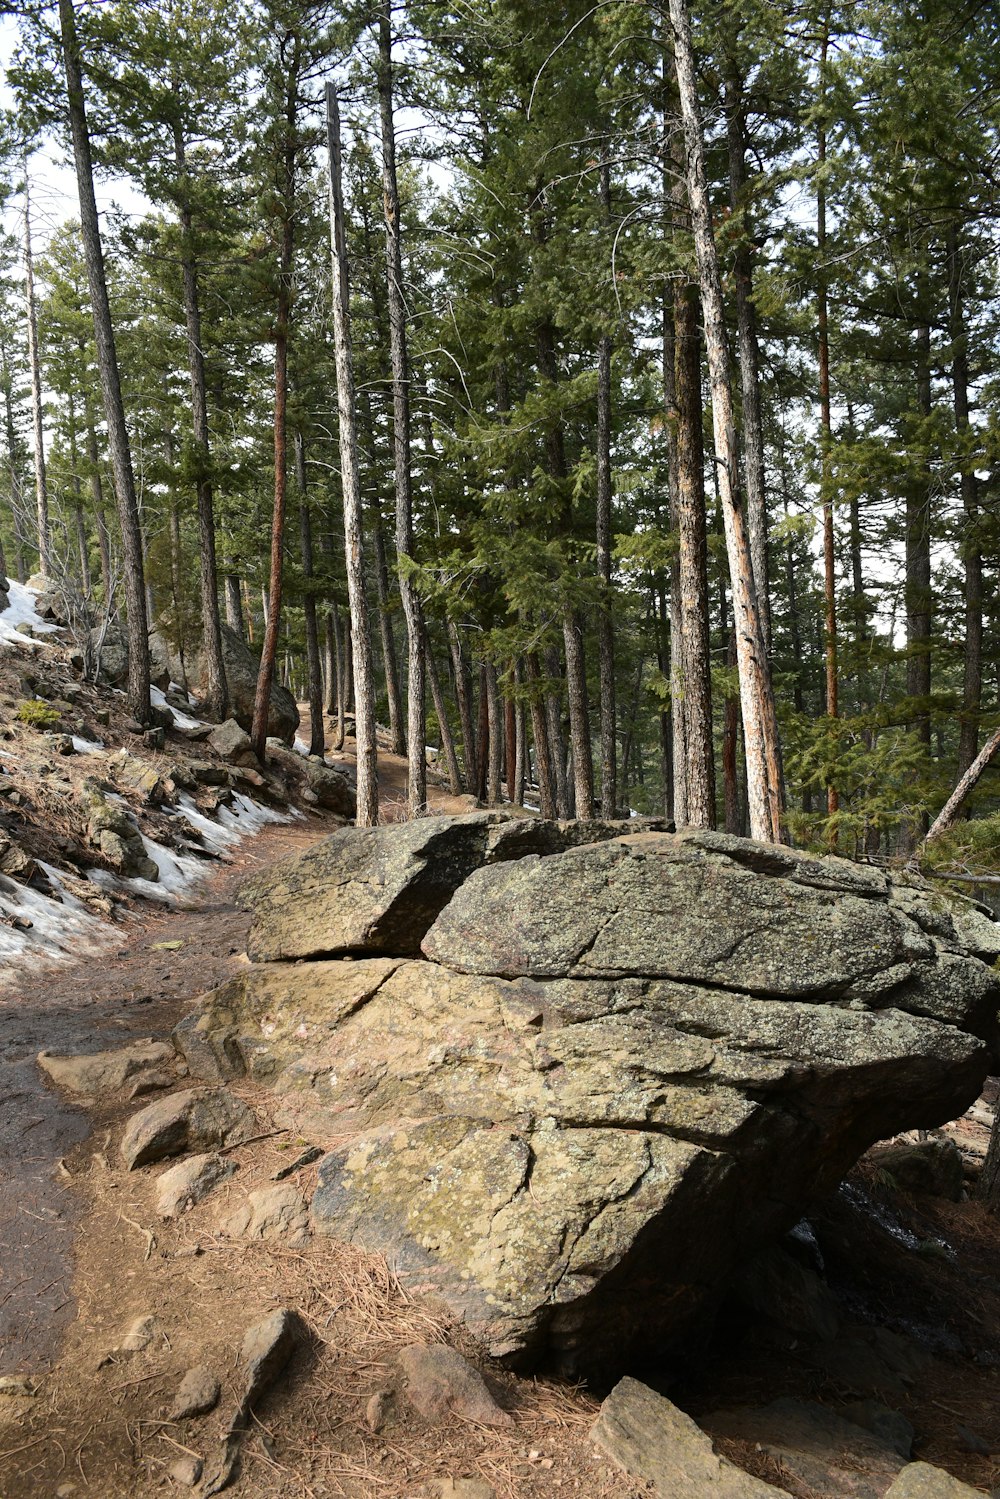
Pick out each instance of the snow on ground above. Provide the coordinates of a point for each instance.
(61, 928)
(182, 720)
(21, 611)
(87, 746)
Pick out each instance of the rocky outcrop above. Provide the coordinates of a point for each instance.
(614, 1071)
(241, 679)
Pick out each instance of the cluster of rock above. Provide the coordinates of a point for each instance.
(571, 1077)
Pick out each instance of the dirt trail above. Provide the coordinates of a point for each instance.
(137, 989)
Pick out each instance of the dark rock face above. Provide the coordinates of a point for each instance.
(241, 677)
(619, 1070)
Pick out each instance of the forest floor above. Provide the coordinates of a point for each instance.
(83, 1254)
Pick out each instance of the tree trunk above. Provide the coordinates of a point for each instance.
(825, 439)
(540, 735)
(78, 516)
(463, 694)
(917, 591)
(749, 363)
(387, 636)
(317, 734)
(340, 653)
(364, 723)
(765, 780)
(693, 568)
(948, 815)
(494, 775)
(605, 614)
(444, 727)
(16, 490)
(234, 607)
(107, 364)
(37, 423)
(416, 732)
(972, 686)
(217, 692)
(269, 650)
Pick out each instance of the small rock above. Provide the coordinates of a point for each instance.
(65, 1491)
(186, 1471)
(312, 1153)
(138, 1336)
(190, 1181)
(266, 1349)
(923, 1481)
(229, 740)
(19, 1386)
(439, 1380)
(654, 1441)
(272, 1213)
(155, 739)
(197, 1394)
(197, 1118)
(152, 1082)
(378, 1410)
(103, 1071)
(174, 946)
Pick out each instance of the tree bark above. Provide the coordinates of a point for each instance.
(444, 726)
(416, 731)
(825, 439)
(765, 780)
(463, 694)
(972, 560)
(749, 348)
(540, 735)
(234, 606)
(948, 815)
(78, 516)
(364, 698)
(217, 692)
(317, 734)
(693, 568)
(107, 364)
(37, 419)
(917, 590)
(387, 636)
(605, 612)
(269, 650)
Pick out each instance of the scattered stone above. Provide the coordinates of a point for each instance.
(379, 1409)
(174, 946)
(15, 861)
(196, 1119)
(927, 1167)
(272, 1213)
(138, 776)
(922, 1481)
(814, 1445)
(197, 1394)
(19, 1386)
(659, 1445)
(230, 742)
(110, 829)
(332, 790)
(138, 1335)
(186, 1471)
(267, 1348)
(151, 1082)
(105, 1071)
(60, 744)
(189, 1182)
(204, 773)
(155, 740)
(440, 1381)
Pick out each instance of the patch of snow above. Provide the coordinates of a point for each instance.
(300, 747)
(87, 746)
(20, 610)
(158, 698)
(61, 930)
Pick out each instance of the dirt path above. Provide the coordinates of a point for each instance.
(136, 990)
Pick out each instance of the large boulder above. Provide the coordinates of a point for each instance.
(241, 678)
(617, 1071)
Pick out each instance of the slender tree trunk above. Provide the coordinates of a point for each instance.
(217, 692)
(825, 438)
(364, 723)
(78, 515)
(557, 745)
(972, 560)
(416, 732)
(948, 815)
(749, 348)
(107, 364)
(605, 609)
(37, 419)
(16, 487)
(494, 776)
(317, 734)
(387, 637)
(234, 607)
(463, 694)
(444, 726)
(540, 735)
(693, 567)
(918, 597)
(340, 658)
(269, 651)
(765, 780)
